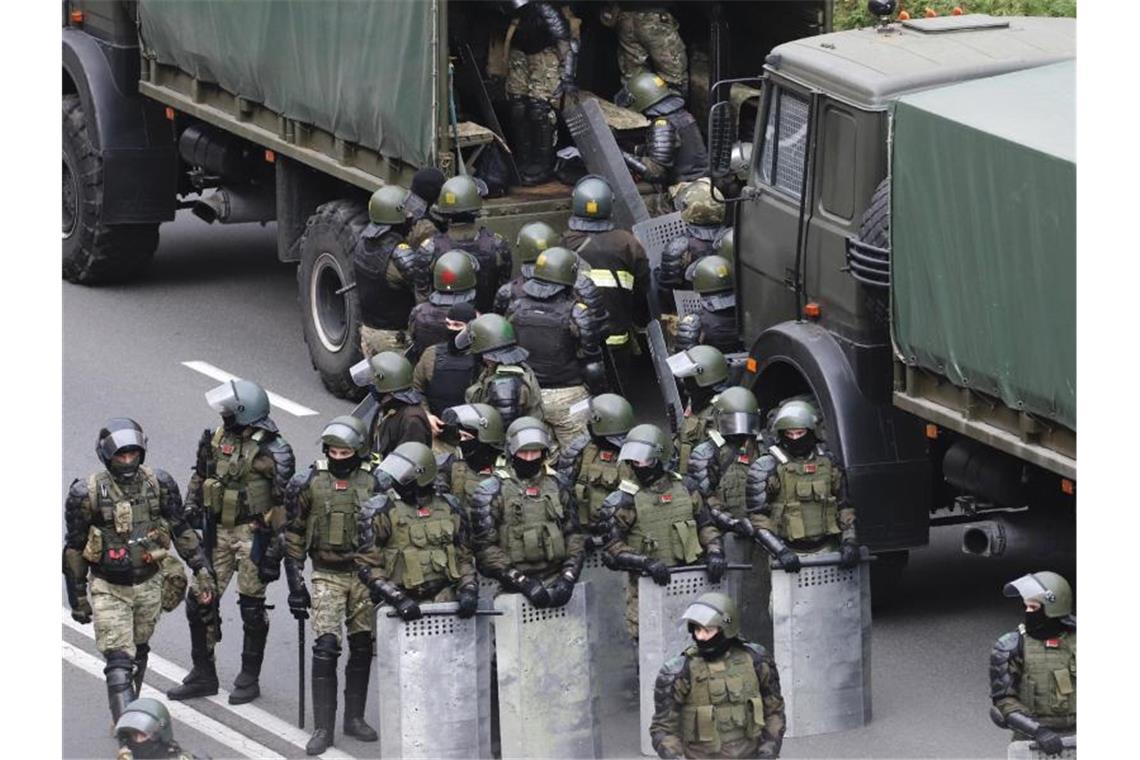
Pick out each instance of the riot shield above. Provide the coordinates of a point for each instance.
(755, 588)
(821, 641)
(661, 633)
(612, 655)
(1027, 750)
(655, 235)
(434, 684)
(659, 354)
(547, 704)
(602, 156)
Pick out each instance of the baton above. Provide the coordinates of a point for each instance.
(729, 566)
(826, 559)
(301, 673)
(440, 613)
(1068, 742)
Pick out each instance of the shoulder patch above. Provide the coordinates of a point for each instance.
(661, 123)
(629, 487)
(258, 435)
(779, 454)
(509, 369)
(716, 437)
(322, 465)
(403, 245)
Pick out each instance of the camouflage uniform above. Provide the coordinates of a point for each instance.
(510, 388)
(650, 35)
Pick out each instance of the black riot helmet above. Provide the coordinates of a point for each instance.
(120, 434)
(145, 727)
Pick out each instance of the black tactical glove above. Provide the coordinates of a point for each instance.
(269, 567)
(659, 572)
(407, 609)
(743, 528)
(81, 610)
(717, 565)
(533, 590)
(560, 592)
(1048, 741)
(468, 601)
(299, 602)
(789, 560)
(848, 554)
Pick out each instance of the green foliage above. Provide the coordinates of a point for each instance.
(852, 14)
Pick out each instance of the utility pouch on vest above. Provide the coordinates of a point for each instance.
(336, 529)
(231, 507)
(793, 523)
(212, 491)
(532, 546)
(555, 544)
(413, 573)
(1063, 682)
(804, 490)
(686, 542)
(706, 723)
(757, 707)
(124, 517)
(93, 549)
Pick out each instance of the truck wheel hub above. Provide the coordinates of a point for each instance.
(329, 311)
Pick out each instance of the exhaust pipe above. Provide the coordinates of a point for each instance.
(985, 539)
(993, 538)
(234, 206)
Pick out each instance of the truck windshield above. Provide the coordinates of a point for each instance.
(782, 160)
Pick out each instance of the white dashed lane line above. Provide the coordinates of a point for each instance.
(209, 370)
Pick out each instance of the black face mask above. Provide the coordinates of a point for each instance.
(414, 494)
(342, 468)
(124, 471)
(801, 446)
(712, 649)
(229, 422)
(648, 475)
(478, 455)
(698, 397)
(604, 443)
(526, 469)
(149, 748)
(1041, 627)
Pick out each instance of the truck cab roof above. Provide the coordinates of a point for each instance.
(870, 68)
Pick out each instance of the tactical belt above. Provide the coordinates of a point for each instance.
(132, 577)
(811, 544)
(427, 590)
(337, 566)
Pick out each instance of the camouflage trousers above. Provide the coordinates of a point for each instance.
(652, 36)
(536, 76)
(631, 597)
(232, 553)
(124, 616)
(174, 583)
(374, 341)
(556, 403)
(340, 599)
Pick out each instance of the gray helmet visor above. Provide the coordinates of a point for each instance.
(361, 373)
(719, 301)
(415, 206)
(529, 439)
(701, 614)
(403, 470)
(118, 440)
(506, 354)
(738, 423)
(682, 366)
(463, 338)
(638, 451)
(223, 398)
(339, 434)
(441, 298)
(373, 230)
(136, 720)
(1028, 587)
(583, 224)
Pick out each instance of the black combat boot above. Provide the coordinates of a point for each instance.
(142, 654)
(255, 625)
(356, 674)
(537, 165)
(120, 687)
(325, 654)
(202, 680)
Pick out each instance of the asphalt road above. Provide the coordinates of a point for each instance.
(219, 296)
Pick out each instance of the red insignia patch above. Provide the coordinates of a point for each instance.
(532, 491)
(486, 471)
(743, 459)
(810, 467)
(227, 448)
(340, 485)
(424, 511)
(1052, 643)
(607, 456)
(666, 498)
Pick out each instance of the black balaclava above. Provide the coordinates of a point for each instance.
(1041, 627)
(478, 454)
(342, 468)
(714, 648)
(125, 471)
(699, 397)
(386, 400)
(608, 442)
(527, 469)
(229, 422)
(415, 494)
(648, 475)
(152, 747)
(800, 447)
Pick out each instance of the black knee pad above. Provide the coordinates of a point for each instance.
(119, 667)
(360, 645)
(326, 645)
(253, 615)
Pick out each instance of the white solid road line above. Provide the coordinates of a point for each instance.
(182, 714)
(255, 715)
(209, 370)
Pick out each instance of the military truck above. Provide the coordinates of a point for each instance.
(295, 112)
(905, 254)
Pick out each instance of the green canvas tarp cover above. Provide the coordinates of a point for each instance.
(983, 237)
(360, 70)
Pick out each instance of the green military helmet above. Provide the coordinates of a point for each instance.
(698, 206)
(481, 419)
(557, 265)
(736, 411)
(533, 239)
(454, 272)
(712, 274)
(795, 414)
(491, 336)
(714, 610)
(611, 416)
(410, 461)
(705, 364)
(527, 434)
(388, 206)
(148, 717)
(1046, 587)
(390, 372)
(346, 432)
(643, 90)
(459, 195)
(646, 443)
(725, 245)
(245, 400)
(592, 205)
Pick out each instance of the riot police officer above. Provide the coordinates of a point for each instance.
(725, 245)
(618, 265)
(506, 381)
(796, 495)
(656, 521)
(719, 465)
(121, 522)
(476, 431)
(649, 40)
(426, 184)
(453, 281)
(444, 371)
(703, 373)
(236, 493)
(720, 697)
(384, 267)
(322, 507)
(146, 731)
(715, 324)
(460, 204)
(674, 150)
(563, 339)
(401, 416)
(703, 218)
(590, 463)
(525, 523)
(1033, 670)
(533, 239)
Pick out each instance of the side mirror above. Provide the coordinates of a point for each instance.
(722, 135)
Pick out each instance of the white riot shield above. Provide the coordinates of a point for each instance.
(1027, 750)
(613, 659)
(755, 588)
(821, 641)
(655, 235)
(661, 634)
(547, 704)
(434, 684)
(687, 302)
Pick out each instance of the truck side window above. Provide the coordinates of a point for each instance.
(838, 192)
(782, 163)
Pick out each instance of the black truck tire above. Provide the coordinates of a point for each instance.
(93, 252)
(331, 322)
(875, 227)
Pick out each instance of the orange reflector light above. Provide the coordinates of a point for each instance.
(169, 113)
(750, 364)
(270, 156)
(1068, 486)
(904, 16)
(811, 310)
(930, 12)
(77, 17)
(932, 431)
(957, 11)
